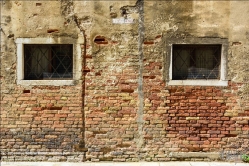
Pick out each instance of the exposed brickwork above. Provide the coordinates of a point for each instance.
(111, 104)
(176, 118)
(186, 119)
(45, 120)
(121, 108)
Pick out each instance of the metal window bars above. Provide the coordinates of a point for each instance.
(196, 61)
(48, 61)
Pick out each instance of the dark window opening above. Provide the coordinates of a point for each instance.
(48, 61)
(196, 61)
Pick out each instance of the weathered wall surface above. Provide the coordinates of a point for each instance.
(122, 109)
(38, 123)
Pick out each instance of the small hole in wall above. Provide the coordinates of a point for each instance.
(26, 91)
(38, 4)
(113, 15)
(148, 42)
(52, 30)
(55, 108)
(100, 40)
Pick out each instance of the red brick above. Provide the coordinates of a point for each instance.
(193, 139)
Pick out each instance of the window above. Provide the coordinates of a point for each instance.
(196, 61)
(42, 61)
(48, 61)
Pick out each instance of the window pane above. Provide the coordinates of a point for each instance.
(181, 62)
(48, 61)
(196, 61)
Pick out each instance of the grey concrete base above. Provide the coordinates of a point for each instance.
(122, 164)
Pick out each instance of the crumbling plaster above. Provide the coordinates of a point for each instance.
(116, 70)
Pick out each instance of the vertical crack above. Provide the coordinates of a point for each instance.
(67, 8)
(126, 10)
(82, 142)
(140, 121)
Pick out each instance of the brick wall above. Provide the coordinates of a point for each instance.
(122, 108)
(41, 123)
(44, 123)
(200, 119)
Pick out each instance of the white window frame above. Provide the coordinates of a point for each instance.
(77, 60)
(200, 82)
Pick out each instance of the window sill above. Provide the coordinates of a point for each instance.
(199, 82)
(46, 82)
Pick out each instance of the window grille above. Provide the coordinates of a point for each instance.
(48, 61)
(196, 61)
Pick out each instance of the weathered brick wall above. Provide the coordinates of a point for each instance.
(111, 99)
(199, 119)
(122, 108)
(41, 123)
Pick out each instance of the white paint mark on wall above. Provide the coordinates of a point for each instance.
(122, 20)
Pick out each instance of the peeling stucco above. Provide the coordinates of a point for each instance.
(121, 107)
